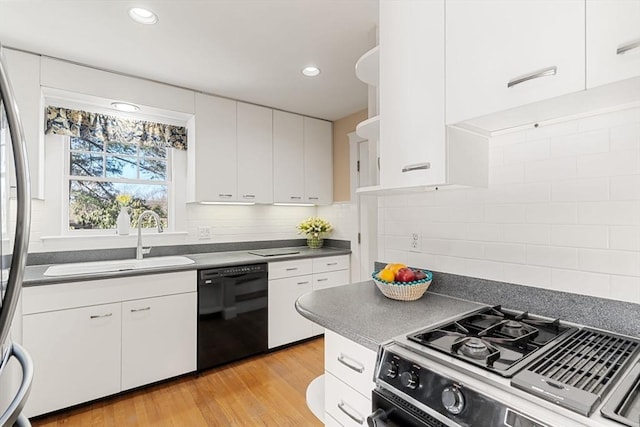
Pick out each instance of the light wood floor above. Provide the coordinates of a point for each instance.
(266, 390)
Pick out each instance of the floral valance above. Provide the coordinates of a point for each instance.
(102, 127)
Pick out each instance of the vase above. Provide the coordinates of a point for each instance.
(123, 222)
(315, 242)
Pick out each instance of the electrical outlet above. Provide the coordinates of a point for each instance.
(414, 242)
(204, 233)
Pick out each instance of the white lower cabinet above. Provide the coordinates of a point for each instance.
(96, 338)
(158, 338)
(76, 355)
(289, 280)
(348, 380)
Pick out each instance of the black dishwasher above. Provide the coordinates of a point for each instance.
(232, 313)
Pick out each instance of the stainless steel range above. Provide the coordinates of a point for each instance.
(498, 367)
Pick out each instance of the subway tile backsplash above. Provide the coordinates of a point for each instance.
(562, 212)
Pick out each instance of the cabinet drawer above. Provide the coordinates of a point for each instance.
(331, 263)
(349, 361)
(298, 267)
(330, 279)
(329, 421)
(346, 405)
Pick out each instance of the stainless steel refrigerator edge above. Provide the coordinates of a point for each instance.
(13, 264)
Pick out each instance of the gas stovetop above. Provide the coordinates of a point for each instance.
(505, 364)
(495, 339)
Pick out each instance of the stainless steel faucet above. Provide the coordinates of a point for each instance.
(140, 250)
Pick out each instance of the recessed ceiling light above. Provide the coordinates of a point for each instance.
(143, 16)
(311, 71)
(124, 106)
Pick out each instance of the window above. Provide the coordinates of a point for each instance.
(105, 176)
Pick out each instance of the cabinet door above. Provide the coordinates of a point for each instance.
(76, 356)
(493, 44)
(412, 132)
(318, 161)
(158, 338)
(212, 171)
(288, 158)
(286, 325)
(346, 405)
(255, 154)
(613, 41)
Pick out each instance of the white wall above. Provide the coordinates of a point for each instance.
(562, 212)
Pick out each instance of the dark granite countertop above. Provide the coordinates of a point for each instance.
(34, 275)
(361, 313)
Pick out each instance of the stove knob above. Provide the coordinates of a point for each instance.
(389, 369)
(409, 379)
(453, 400)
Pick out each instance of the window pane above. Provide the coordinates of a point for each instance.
(154, 170)
(95, 205)
(121, 167)
(153, 150)
(85, 145)
(83, 164)
(122, 148)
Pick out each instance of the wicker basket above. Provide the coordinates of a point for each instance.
(403, 291)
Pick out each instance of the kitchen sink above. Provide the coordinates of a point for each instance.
(117, 265)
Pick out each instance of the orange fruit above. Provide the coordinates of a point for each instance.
(386, 275)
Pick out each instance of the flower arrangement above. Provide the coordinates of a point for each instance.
(315, 228)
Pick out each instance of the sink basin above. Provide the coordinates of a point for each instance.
(118, 265)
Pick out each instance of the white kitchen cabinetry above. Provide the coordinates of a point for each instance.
(318, 161)
(255, 154)
(349, 371)
(613, 41)
(302, 159)
(288, 158)
(76, 355)
(23, 70)
(288, 280)
(86, 342)
(155, 334)
(416, 148)
(502, 54)
(212, 155)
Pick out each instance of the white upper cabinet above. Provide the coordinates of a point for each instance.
(318, 161)
(504, 53)
(613, 41)
(255, 154)
(288, 158)
(212, 157)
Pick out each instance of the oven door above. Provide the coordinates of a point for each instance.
(391, 411)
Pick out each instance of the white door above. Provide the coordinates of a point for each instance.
(288, 158)
(318, 161)
(255, 154)
(158, 338)
(613, 41)
(504, 53)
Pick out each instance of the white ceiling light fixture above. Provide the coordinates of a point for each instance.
(311, 71)
(143, 16)
(125, 106)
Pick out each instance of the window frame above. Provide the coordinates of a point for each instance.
(67, 178)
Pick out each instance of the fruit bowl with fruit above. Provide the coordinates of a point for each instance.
(399, 282)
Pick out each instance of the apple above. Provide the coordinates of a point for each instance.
(419, 274)
(405, 275)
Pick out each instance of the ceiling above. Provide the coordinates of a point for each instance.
(250, 50)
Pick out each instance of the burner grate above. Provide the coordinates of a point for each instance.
(580, 370)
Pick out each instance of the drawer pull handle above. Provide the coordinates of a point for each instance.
(303, 283)
(295, 197)
(549, 71)
(350, 363)
(627, 47)
(291, 269)
(323, 280)
(416, 167)
(348, 410)
(135, 310)
(225, 195)
(331, 263)
(248, 196)
(97, 316)
(313, 198)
